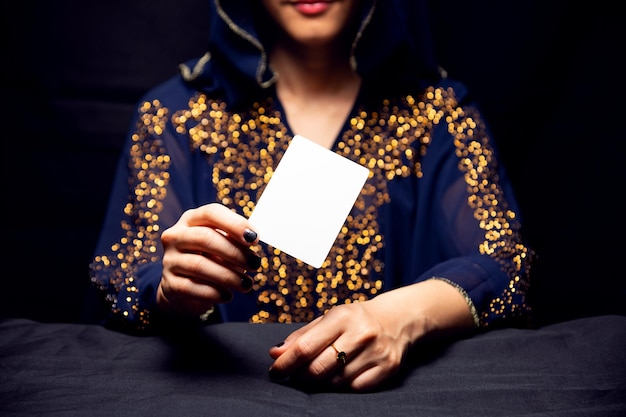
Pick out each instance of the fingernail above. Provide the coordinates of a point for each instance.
(279, 344)
(226, 296)
(246, 282)
(253, 261)
(249, 235)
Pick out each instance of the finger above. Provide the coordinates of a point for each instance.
(366, 368)
(278, 349)
(366, 380)
(301, 349)
(220, 217)
(327, 367)
(203, 271)
(211, 243)
(331, 361)
(187, 297)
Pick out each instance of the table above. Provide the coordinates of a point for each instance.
(574, 368)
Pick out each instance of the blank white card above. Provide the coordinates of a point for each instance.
(307, 200)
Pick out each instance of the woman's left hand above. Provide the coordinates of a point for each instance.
(361, 345)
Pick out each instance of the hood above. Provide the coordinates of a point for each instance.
(393, 48)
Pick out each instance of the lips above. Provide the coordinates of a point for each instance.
(311, 7)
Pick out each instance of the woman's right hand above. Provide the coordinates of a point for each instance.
(206, 256)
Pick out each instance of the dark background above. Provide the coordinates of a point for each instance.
(547, 73)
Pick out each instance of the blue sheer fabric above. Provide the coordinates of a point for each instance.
(437, 203)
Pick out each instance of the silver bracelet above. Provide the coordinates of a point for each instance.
(205, 316)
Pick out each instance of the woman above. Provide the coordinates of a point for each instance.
(431, 247)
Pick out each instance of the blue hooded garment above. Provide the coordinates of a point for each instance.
(437, 204)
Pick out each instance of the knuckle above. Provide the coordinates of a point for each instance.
(212, 210)
(340, 312)
(393, 359)
(317, 369)
(206, 237)
(303, 348)
(167, 236)
(196, 264)
(175, 286)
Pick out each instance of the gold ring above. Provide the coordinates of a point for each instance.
(341, 355)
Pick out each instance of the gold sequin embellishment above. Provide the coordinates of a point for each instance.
(244, 149)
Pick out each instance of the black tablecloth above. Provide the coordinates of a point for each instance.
(574, 368)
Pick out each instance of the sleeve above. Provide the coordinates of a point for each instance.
(143, 202)
(476, 230)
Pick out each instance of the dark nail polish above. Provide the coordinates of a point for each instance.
(279, 344)
(226, 296)
(249, 235)
(246, 282)
(253, 261)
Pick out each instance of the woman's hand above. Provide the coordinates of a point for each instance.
(206, 256)
(373, 336)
